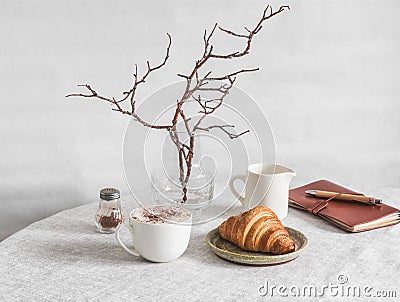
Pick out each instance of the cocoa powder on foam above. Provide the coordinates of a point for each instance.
(160, 214)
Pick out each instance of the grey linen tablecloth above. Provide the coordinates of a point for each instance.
(63, 258)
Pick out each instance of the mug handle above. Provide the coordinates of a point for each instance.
(232, 187)
(130, 251)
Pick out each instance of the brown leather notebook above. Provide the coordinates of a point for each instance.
(350, 216)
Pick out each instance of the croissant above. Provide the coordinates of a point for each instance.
(257, 230)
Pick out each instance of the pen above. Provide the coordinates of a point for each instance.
(342, 196)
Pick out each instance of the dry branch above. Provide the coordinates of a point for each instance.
(195, 83)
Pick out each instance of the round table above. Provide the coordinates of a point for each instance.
(63, 258)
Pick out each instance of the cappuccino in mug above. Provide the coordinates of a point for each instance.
(159, 233)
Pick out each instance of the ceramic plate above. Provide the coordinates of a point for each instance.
(232, 252)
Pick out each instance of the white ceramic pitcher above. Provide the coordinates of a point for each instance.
(267, 185)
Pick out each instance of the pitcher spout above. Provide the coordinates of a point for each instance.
(289, 173)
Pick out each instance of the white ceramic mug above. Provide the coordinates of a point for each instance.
(157, 242)
(267, 185)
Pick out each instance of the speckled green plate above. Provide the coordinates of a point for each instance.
(232, 252)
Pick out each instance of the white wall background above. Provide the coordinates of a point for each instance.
(328, 85)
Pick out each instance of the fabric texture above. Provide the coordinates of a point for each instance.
(64, 258)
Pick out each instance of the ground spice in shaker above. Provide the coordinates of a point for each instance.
(109, 214)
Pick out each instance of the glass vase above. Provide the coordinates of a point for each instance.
(170, 181)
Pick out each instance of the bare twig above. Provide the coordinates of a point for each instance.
(195, 83)
(224, 129)
(267, 14)
(131, 92)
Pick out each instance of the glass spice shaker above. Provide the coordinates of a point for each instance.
(109, 214)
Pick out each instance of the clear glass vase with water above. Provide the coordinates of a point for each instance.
(166, 180)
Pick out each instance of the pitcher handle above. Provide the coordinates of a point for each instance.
(241, 198)
(130, 251)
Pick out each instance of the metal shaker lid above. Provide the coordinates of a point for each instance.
(109, 193)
